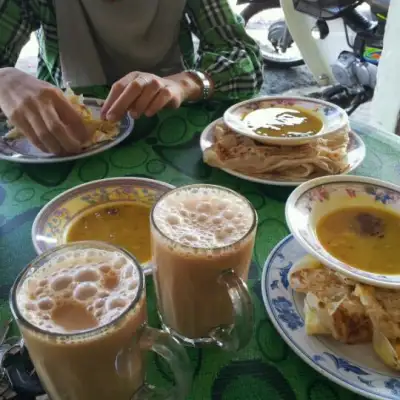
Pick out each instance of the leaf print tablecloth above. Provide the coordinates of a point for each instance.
(166, 148)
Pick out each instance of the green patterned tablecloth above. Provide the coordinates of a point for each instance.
(166, 148)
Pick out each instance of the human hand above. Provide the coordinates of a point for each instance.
(41, 112)
(143, 93)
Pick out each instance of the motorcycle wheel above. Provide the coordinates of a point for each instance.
(291, 58)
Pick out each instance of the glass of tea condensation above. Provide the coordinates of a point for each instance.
(81, 310)
(202, 244)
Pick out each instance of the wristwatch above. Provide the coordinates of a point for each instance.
(203, 80)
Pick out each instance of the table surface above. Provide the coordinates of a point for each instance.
(166, 147)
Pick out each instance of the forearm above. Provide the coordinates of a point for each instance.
(192, 86)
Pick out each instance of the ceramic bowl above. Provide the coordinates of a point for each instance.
(53, 221)
(314, 199)
(333, 118)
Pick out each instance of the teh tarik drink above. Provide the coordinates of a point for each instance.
(78, 312)
(202, 244)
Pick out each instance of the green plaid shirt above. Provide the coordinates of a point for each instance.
(226, 52)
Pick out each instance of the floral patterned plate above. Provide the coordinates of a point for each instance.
(333, 117)
(314, 199)
(355, 367)
(355, 156)
(22, 151)
(54, 219)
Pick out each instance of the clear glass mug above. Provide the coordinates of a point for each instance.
(107, 361)
(201, 291)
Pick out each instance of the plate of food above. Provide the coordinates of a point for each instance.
(339, 153)
(114, 210)
(351, 224)
(344, 330)
(285, 121)
(104, 134)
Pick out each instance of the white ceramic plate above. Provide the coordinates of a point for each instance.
(333, 117)
(356, 155)
(54, 219)
(355, 367)
(314, 199)
(22, 151)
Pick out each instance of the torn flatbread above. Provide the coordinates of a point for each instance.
(100, 130)
(323, 156)
(331, 306)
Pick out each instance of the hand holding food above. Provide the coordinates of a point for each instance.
(143, 93)
(41, 113)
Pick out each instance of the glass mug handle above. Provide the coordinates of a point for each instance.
(167, 347)
(235, 337)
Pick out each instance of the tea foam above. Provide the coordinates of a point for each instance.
(79, 290)
(204, 217)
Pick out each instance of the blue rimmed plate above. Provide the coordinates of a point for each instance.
(355, 367)
(22, 151)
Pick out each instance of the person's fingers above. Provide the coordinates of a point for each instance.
(44, 135)
(60, 131)
(25, 127)
(116, 91)
(164, 97)
(71, 120)
(131, 92)
(20, 118)
(146, 97)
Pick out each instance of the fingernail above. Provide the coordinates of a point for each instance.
(111, 117)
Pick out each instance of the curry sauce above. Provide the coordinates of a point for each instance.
(366, 238)
(283, 122)
(124, 224)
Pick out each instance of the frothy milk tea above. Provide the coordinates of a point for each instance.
(77, 301)
(198, 232)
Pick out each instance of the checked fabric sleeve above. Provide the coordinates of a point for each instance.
(226, 53)
(18, 19)
(17, 22)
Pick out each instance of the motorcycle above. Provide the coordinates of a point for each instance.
(265, 22)
(355, 70)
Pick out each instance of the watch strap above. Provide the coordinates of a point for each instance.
(204, 80)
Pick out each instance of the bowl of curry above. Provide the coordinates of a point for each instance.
(351, 224)
(285, 121)
(115, 210)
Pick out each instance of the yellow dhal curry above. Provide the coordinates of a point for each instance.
(366, 238)
(283, 122)
(124, 224)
